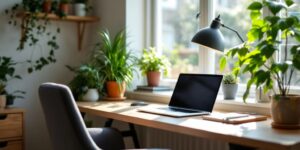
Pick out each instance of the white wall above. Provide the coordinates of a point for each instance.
(112, 14)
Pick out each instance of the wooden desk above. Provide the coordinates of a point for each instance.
(258, 134)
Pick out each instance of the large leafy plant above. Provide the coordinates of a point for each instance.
(113, 59)
(267, 34)
(151, 61)
(7, 73)
(87, 77)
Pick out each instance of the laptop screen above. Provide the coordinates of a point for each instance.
(196, 91)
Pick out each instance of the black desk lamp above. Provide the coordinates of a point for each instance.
(212, 37)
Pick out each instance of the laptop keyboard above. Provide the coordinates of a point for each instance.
(180, 110)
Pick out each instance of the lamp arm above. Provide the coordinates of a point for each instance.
(233, 31)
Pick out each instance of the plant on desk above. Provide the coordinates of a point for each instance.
(151, 64)
(229, 86)
(115, 62)
(267, 34)
(87, 83)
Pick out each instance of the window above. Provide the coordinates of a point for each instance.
(295, 11)
(175, 27)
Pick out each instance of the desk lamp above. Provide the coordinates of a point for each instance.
(212, 37)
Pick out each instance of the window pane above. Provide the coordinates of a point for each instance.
(295, 11)
(176, 26)
(235, 15)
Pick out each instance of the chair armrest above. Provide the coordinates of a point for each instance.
(107, 138)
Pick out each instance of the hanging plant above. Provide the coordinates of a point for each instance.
(33, 28)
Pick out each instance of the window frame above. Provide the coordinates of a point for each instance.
(206, 56)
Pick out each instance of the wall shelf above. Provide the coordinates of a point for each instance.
(80, 20)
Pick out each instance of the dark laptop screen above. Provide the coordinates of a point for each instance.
(196, 91)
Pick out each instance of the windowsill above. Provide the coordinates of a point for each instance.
(236, 105)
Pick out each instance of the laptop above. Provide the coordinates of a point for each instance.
(194, 94)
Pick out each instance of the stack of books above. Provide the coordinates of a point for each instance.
(153, 88)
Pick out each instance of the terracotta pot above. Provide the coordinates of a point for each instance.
(64, 8)
(47, 6)
(115, 90)
(286, 110)
(153, 78)
(2, 101)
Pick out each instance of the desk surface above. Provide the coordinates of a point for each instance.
(258, 134)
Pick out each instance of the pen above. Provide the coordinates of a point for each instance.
(234, 117)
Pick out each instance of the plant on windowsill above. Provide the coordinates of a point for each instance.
(257, 58)
(87, 83)
(151, 65)
(33, 28)
(229, 86)
(115, 62)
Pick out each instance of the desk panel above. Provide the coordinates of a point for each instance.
(258, 134)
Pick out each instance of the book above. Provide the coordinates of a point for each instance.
(234, 118)
(153, 88)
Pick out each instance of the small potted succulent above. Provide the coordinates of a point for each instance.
(86, 84)
(152, 64)
(229, 86)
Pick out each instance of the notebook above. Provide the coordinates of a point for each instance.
(194, 94)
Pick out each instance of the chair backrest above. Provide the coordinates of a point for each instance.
(64, 122)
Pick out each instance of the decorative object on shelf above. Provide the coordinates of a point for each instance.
(229, 86)
(115, 62)
(64, 7)
(262, 97)
(151, 64)
(87, 83)
(81, 7)
(256, 57)
(47, 6)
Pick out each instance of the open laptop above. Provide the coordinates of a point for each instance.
(194, 94)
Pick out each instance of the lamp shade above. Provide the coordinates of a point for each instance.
(211, 36)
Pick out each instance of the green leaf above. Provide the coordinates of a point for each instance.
(274, 6)
(272, 19)
(289, 2)
(223, 63)
(296, 61)
(255, 6)
(255, 14)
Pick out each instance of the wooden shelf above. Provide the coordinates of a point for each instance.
(80, 20)
(67, 18)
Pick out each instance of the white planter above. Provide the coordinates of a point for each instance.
(229, 91)
(92, 95)
(79, 9)
(2, 101)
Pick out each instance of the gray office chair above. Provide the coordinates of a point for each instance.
(65, 124)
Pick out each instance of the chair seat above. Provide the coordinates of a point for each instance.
(107, 138)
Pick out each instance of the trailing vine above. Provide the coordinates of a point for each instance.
(33, 28)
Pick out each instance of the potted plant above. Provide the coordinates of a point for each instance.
(47, 5)
(257, 58)
(151, 64)
(80, 7)
(86, 84)
(64, 7)
(7, 73)
(115, 62)
(2, 96)
(229, 86)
